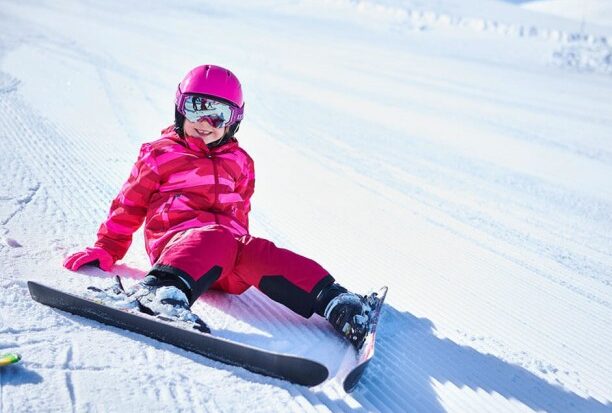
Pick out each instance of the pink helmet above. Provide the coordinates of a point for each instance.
(213, 81)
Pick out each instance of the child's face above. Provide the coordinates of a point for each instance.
(203, 130)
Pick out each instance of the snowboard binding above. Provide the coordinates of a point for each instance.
(349, 314)
(113, 295)
(151, 297)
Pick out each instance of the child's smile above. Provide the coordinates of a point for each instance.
(203, 130)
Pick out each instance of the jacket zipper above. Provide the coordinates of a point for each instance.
(212, 158)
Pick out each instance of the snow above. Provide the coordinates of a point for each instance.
(459, 152)
(587, 11)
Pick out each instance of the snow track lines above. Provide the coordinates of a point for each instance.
(436, 151)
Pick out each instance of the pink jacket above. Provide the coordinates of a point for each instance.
(178, 184)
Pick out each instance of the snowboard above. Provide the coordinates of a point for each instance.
(366, 353)
(287, 367)
(9, 358)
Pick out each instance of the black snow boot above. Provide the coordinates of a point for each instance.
(347, 312)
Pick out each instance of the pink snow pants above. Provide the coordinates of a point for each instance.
(212, 257)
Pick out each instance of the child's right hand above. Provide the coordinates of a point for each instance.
(104, 260)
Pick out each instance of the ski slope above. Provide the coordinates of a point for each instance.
(587, 11)
(459, 152)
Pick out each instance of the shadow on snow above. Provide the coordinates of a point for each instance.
(407, 372)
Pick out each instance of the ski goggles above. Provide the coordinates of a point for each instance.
(197, 108)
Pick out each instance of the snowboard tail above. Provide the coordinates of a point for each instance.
(283, 366)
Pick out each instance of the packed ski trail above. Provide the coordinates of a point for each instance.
(463, 164)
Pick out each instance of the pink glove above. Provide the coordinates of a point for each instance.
(78, 259)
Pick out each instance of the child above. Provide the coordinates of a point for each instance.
(192, 189)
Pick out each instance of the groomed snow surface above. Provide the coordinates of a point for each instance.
(452, 150)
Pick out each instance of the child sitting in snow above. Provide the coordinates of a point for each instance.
(192, 189)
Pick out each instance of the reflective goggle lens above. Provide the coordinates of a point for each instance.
(199, 108)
